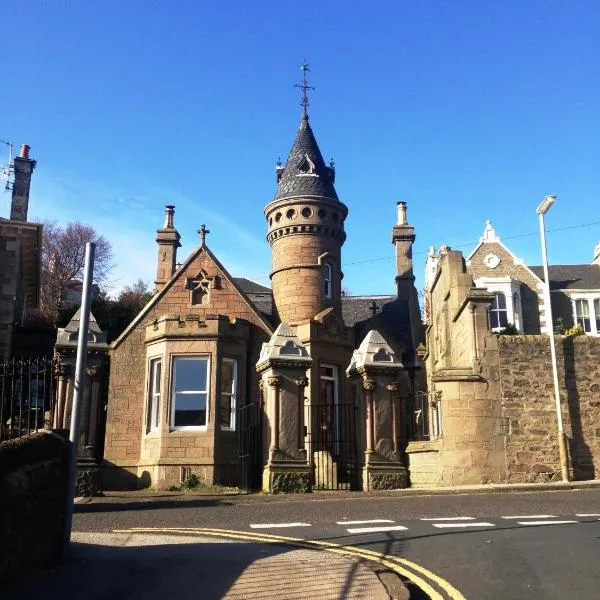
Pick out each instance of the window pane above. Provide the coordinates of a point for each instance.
(227, 371)
(494, 322)
(154, 394)
(190, 374)
(597, 313)
(500, 301)
(582, 308)
(156, 365)
(226, 410)
(189, 410)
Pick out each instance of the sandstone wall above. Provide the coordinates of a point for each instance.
(528, 405)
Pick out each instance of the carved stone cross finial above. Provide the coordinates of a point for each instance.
(373, 308)
(203, 233)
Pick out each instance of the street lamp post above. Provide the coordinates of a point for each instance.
(541, 210)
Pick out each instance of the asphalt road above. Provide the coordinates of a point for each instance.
(534, 545)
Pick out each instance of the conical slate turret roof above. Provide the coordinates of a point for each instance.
(305, 173)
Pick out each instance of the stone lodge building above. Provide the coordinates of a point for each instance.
(287, 388)
(299, 387)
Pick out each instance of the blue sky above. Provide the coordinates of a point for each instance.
(466, 110)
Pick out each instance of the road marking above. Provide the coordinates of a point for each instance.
(376, 529)
(416, 573)
(367, 522)
(587, 515)
(449, 519)
(477, 524)
(532, 517)
(274, 525)
(545, 522)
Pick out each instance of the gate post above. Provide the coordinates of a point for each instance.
(283, 363)
(383, 379)
(65, 350)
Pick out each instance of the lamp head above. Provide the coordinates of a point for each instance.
(545, 206)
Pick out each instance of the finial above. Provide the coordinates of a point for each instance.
(203, 233)
(304, 86)
(374, 308)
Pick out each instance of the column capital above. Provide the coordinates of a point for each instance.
(368, 385)
(274, 381)
(394, 386)
(302, 382)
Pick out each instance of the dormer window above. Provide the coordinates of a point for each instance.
(306, 167)
(327, 280)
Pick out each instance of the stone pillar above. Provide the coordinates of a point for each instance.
(283, 364)
(65, 349)
(384, 383)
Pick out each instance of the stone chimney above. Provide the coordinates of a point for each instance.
(596, 259)
(23, 167)
(167, 239)
(403, 237)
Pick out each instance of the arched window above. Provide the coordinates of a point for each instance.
(327, 280)
(498, 312)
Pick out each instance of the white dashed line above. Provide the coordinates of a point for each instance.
(470, 524)
(450, 519)
(587, 515)
(274, 525)
(545, 522)
(532, 517)
(364, 522)
(376, 529)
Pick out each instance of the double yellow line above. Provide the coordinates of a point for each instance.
(433, 585)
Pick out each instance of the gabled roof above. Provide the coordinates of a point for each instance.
(571, 277)
(155, 299)
(305, 173)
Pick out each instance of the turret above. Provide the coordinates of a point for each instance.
(306, 232)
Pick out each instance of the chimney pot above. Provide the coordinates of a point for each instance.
(24, 151)
(402, 213)
(169, 212)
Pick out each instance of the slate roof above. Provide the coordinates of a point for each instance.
(251, 287)
(392, 320)
(571, 277)
(293, 182)
(259, 295)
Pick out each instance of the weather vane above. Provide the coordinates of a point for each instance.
(305, 103)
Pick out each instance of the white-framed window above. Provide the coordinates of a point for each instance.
(229, 386)
(586, 312)
(498, 312)
(506, 310)
(327, 279)
(154, 375)
(189, 392)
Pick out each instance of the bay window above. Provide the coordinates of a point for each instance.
(189, 395)
(229, 377)
(154, 374)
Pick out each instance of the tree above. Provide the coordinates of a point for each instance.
(63, 260)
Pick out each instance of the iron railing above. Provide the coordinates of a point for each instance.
(27, 395)
(425, 416)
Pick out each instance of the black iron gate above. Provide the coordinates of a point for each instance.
(332, 446)
(27, 395)
(251, 446)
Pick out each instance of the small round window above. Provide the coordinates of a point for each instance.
(290, 214)
(322, 213)
(278, 217)
(306, 212)
(335, 217)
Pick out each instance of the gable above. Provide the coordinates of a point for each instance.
(219, 294)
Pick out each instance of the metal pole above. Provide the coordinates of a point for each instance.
(82, 344)
(562, 443)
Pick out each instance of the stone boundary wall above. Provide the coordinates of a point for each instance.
(33, 489)
(528, 406)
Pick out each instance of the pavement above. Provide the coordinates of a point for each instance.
(141, 566)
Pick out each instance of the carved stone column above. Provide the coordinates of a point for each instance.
(383, 380)
(283, 364)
